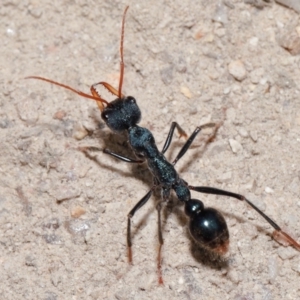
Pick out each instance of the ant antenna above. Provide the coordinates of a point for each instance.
(95, 96)
(121, 54)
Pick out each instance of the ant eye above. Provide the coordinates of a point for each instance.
(131, 99)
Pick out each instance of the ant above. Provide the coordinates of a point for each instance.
(207, 226)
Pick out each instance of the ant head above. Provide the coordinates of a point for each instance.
(121, 114)
(207, 226)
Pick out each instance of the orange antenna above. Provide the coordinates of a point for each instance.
(96, 96)
(121, 54)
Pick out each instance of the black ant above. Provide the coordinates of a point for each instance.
(206, 225)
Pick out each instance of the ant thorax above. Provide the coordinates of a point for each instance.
(143, 143)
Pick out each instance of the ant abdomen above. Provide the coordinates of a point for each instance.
(207, 226)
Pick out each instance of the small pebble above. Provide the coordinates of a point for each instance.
(77, 211)
(35, 12)
(186, 92)
(227, 90)
(253, 41)
(237, 70)
(209, 38)
(11, 32)
(243, 132)
(30, 261)
(220, 14)
(59, 115)
(253, 135)
(52, 239)
(235, 146)
(77, 227)
(268, 190)
(79, 132)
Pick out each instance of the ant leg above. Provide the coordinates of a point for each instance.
(106, 151)
(142, 202)
(279, 233)
(190, 141)
(165, 198)
(161, 242)
(121, 157)
(170, 135)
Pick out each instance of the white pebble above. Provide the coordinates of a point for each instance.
(186, 92)
(227, 90)
(220, 14)
(253, 135)
(79, 132)
(253, 41)
(243, 132)
(237, 70)
(235, 146)
(181, 280)
(268, 190)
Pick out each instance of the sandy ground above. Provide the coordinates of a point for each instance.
(63, 215)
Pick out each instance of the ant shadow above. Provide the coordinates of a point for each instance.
(118, 144)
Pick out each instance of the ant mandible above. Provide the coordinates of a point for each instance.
(206, 225)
